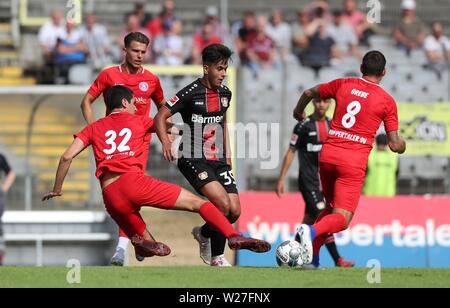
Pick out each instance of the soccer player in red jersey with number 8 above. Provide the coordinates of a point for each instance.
(361, 106)
(119, 140)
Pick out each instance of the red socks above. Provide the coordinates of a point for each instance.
(217, 220)
(332, 223)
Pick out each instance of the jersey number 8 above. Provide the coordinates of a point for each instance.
(349, 119)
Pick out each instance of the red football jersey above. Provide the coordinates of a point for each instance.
(361, 107)
(119, 141)
(145, 86)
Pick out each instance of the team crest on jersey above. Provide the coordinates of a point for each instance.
(143, 86)
(225, 103)
(173, 101)
(203, 176)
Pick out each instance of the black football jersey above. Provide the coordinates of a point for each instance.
(203, 111)
(308, 138)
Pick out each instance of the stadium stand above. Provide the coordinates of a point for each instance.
(273, 92)
(50, 238)
(50, 135)
(11, 72)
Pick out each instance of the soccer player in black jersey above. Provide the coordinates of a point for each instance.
(307, 140)
(205, 153)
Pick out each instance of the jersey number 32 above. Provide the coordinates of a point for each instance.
(112, 136)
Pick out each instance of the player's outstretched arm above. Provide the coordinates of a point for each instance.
(64, 165)
(287, 162)
(161, 131)
(305, 99)
(397, 143)
(86, 108)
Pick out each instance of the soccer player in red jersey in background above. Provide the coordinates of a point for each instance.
(119, 140)
(361, 106)
(145, 86)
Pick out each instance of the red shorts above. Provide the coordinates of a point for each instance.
(342, 185)
(124, 198)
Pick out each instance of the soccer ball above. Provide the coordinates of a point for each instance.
(288, 254)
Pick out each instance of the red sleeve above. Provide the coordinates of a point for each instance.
(99, 85)
(158, 94)
(391, 117)
(329, 90)
(85, 135)
(148, 125)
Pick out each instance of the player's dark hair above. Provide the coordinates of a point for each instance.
(116, 94)
(373, 64)
(136, 37)
(216, 53)
(381, 139)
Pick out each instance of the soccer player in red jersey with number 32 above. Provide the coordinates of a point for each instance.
(119, 140)
(145, 86)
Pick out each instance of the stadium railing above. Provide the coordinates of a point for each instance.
(52, 238)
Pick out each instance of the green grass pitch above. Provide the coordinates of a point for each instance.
(206, 277)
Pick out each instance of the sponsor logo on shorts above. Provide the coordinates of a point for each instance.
(203, 176)
(143, 86)
(173, 101)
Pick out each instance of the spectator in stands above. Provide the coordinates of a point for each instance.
(321, 47)
(320, 9)
(212, 17)
(410, 33)
(139, 11)
(202, 39)
(4, 188)
(358, 21)
(246, 29)
(132, 25)
(168, 46)
(261, 48)
(49, 34)
(437, 48)
(96, 38)
(299, 37)
(281, 34)
(154, 27)
(344, 37)
(70, 49)
(382, 170)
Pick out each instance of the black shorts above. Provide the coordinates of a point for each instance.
(200, 172)
(314, 202)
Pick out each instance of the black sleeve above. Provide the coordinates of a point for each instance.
(296, 136)
(4, 166)
(180, 101)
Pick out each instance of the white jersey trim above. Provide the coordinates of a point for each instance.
(376, 84)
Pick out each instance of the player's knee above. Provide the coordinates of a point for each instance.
(194, 204)
(232, 217)
(224, 205)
